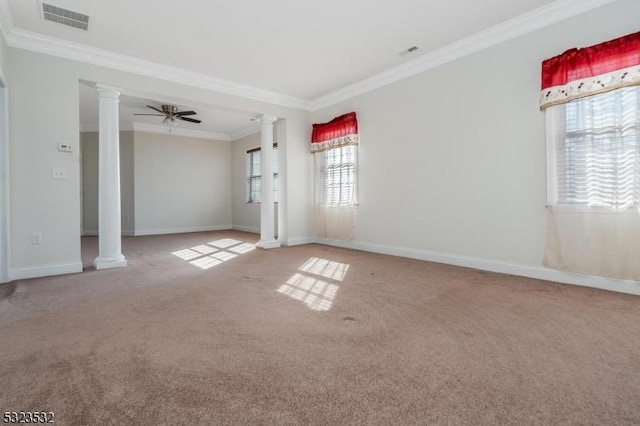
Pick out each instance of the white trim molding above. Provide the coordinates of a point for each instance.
(23, 39)
(243, 133)
(298, 241)
(520, 25)
(180, 131)
(539, 18)
(141, 232)
(94, 233)
(45, 270)
(529, 271)
(251, 229)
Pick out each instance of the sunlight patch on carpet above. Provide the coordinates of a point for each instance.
(313, 284)
(326, 268)
(224, 243)
(214, 253)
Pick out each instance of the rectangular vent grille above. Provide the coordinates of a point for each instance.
(65, 17)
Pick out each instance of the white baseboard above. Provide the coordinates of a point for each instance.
(299, 241)
(530, 271)
(92, 233)
(246, 229)
(44, 270)
(140, 232)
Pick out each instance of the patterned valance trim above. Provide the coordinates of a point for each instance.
(341, 131)
(335, 143)
(587, 71)
(590, 86)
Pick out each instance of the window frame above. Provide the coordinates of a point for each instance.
(249, 176)
(322, 171)
(556, 132)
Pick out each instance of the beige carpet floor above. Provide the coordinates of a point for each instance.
(201, 329)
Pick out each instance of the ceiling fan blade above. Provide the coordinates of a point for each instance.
(158, 115)
(155, 109)
(192, 120)
(185, 113)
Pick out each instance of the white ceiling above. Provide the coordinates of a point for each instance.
(217, 123)
(299, 48)
(298, 53)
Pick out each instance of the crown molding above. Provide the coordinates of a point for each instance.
(516, 27)
(53, 46)
(6, 19)
(243, 133)
(180, 131)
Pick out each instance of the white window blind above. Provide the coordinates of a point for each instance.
(254, 175)
(336, 170)
(595, 150)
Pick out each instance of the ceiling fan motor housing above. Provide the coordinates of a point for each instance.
(169, 109)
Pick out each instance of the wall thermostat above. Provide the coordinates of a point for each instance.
(65, 147)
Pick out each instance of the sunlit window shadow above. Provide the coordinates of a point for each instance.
(205, 256)
(243, 248)
(187, 254)
(224, 243)
(325, 268)
(205, 262)
(317, 294)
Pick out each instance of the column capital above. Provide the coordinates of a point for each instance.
(106, 91)
(268, 119)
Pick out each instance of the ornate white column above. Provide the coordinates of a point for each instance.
(267, 231)
(110, 250)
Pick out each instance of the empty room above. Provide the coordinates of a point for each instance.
(294, 212)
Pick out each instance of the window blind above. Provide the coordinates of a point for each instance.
(337, 176)
(597, 153)
(254, 173)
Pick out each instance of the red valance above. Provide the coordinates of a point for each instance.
(338, 132)
(584, 72)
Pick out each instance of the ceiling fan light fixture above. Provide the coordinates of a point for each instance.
(171, 114)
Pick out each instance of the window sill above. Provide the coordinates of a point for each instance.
(567, 208)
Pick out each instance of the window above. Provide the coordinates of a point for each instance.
(594, 152)
(337, 176)
(254, 178)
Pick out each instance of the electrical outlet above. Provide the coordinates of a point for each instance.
(36, 238)
(125, 218)
(59, 173)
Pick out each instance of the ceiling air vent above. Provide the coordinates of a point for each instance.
(409, 50)
(66, 17)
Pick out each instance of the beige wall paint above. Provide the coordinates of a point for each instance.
(44, 112)
(246, 216)
(89, 145)
(453, 160)
(181, 184)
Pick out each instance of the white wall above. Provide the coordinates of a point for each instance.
(452, 161)
(182, 184)
(296, 181)
(246, 216)
(89, 143)
(4, 167)
(44, 112)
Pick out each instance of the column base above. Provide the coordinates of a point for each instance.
(109, 262)
(268, 244)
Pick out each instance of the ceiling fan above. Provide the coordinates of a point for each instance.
(171, 113)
